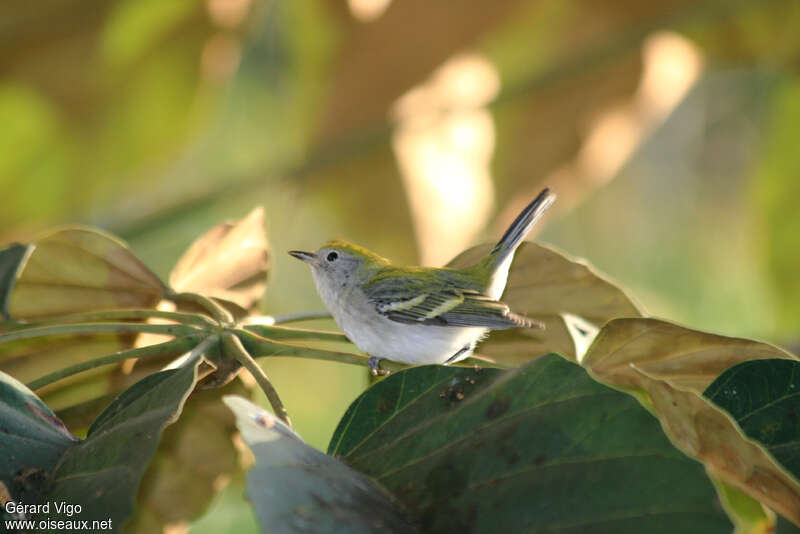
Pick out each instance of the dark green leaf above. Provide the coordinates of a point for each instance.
(540, 448)
(104, 470)
(763, 396)
(31, 436)
(670, 366)
(194, 459)
(295, 488)
(11, 258)
(101, 473)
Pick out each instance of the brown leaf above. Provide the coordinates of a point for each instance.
(544, 284)
(673, 366)
(704, 432)
(77, 269)
(229, 262)
(689, 359)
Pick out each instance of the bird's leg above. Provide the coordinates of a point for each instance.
(374, 365)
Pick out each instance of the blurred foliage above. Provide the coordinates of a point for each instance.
(155, 120)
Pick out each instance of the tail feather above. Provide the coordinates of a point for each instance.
(523, 224)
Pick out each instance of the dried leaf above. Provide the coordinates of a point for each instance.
(229, 262)
(705, 432)
(687, 358)
(77, 269)
(673, 366)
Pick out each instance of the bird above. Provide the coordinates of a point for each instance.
(420, 315)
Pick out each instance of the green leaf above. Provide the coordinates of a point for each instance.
(104, 470)
(11, 259)
(763, 396)
(101, 473)
(294, 487)
(668, 367)
(31, 436)
(545, 284)
(195, 460)
(539, 448)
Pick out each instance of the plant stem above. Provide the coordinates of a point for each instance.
(233, 346)
(177, 330)
(283, 332)
(194, 319)
(220, 314)
(260, 347)
(300, 316)
(169, 348)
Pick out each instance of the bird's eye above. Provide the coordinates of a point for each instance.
(332, 256)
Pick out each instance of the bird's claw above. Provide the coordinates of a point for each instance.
(374, 365)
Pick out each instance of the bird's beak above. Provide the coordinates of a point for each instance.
(307, 257)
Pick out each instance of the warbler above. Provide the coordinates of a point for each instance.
(420, 315)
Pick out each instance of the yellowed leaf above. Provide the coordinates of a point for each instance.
(673, 366)
(229, 262)
(704, 432)
(544, 284)
(77, 269)
(690, 359)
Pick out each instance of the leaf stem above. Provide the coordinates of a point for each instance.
(233, 346)
(220, 314)
(260, 346)
(169, 348)
(177, 330)
(300, 316)
(194, 319)
(284, 332)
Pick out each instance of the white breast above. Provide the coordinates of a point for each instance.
(383, 338)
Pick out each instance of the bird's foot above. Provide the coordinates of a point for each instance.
(374, 365)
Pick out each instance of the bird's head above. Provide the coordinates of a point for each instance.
(338, 264)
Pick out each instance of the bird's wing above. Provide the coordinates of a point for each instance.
(406, 302)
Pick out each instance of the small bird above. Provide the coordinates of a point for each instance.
(420, 315)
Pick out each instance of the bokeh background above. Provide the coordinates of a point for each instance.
(668, 128)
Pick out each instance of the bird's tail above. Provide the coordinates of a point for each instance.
(503, 251)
